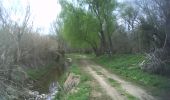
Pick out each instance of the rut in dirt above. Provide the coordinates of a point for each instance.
(129, 87)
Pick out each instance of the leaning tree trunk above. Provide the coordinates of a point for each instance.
(167, 41)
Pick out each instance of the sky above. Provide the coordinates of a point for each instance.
(43, 12)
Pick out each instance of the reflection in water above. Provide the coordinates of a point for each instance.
(53, 90)
(43, 84)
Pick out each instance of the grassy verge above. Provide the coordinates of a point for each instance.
(127, 66)
(88, 88)
(82, 90)
(84, 87)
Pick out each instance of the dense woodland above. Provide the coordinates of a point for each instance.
(110, 27)
(101, 27)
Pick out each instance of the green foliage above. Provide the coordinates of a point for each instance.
(84, 20)
(80, 28)
(103, 11)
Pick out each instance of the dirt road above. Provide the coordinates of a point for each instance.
(129, 87)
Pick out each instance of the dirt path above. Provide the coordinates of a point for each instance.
(107, 87)
(129, 87)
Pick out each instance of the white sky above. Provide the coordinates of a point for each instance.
(43, 12)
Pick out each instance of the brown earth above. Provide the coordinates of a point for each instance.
(129, 87)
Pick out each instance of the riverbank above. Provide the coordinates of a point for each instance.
(44, 81)
(43, 77)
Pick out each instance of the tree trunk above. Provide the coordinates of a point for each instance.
(110, 44)
(103, 45)
(18, 48)
(167, 44)
(96, 51)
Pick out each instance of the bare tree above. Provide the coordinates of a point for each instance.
(19, 31)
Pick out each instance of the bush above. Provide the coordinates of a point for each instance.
(156, 62)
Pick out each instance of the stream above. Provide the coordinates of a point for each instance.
(53, 90)
(47, 85)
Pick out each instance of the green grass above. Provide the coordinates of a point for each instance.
(118, 87)
(127, 66)
(35, 74)
(83, 89)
